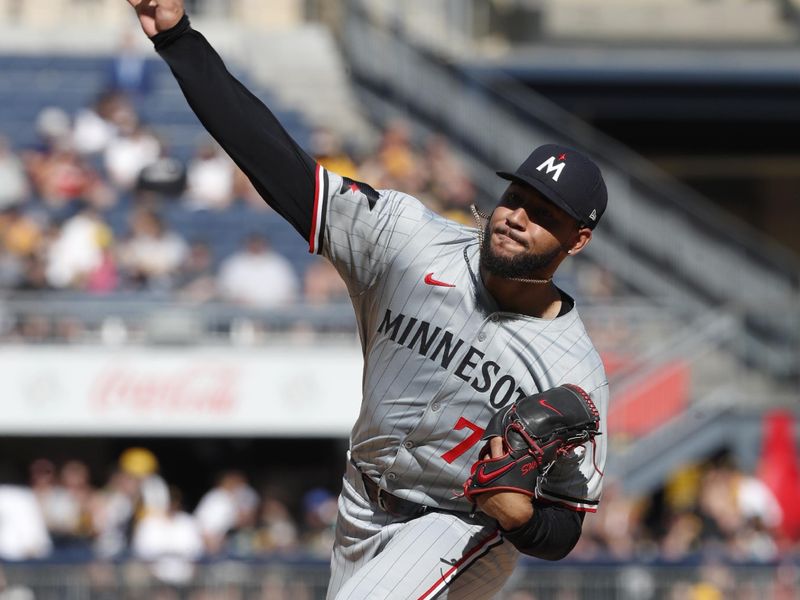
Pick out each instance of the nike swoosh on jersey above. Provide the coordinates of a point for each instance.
(431, 281)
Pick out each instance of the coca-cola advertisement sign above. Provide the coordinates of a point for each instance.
(199, 389)
(165, 391)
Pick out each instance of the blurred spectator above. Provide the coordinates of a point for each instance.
(718, 505)
(229, 506)
(258, 276)
(756, 501)
(327, 149)
(54, 128)
(62, 176)
(615, 528)
(320, 510)
(104, 278)
(21, 234)
(195, 281)
(113, 510)
(132, 150)
(451, 188)
(322, 284)
(166, 177)
(94, 126)
(58, 173)
(739, 510)
(134, 490)
(70, 508)
(276, 531)
(56, 505)
(398, 165)
(170, 540)
(152, 254)
(210, 179)
(142, 464)
(14, 187)
(78, 250)
(23, 532)
(682, 537)
(398, 158)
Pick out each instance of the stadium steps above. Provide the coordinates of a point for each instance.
(306, 70)
(719, 412)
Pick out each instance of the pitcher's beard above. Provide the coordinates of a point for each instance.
(522, 266)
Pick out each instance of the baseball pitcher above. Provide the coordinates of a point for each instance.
(484, 401)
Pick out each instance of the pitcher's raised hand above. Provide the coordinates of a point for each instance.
(156, 16)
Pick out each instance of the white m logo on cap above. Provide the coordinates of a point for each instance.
(551, 165)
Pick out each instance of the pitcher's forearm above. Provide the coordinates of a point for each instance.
(245, 128)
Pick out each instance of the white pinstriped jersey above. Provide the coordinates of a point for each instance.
(440, 357)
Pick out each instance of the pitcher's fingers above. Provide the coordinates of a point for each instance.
(496, 444)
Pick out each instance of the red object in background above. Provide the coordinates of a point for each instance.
(779, 469)
(651, 400)
(614, 362)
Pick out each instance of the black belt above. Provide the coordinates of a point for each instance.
(397, 507)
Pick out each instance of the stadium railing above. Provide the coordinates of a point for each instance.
(301, 580)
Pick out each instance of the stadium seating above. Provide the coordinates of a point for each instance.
(29, 84)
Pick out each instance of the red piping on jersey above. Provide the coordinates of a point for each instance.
(449, 572)
(313, 234)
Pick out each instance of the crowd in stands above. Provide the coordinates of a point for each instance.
(55, 199)
(709, 521)
(87, 211)
(709, 510)
(137, 514)
(54, 229)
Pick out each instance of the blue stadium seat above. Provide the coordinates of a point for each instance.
(30, 83)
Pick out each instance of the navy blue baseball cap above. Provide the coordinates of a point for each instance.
(567, 178)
